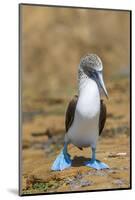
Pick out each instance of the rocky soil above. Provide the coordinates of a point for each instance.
(43, 139)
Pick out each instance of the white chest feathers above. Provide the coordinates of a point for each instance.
(88, 105)
(85, 128)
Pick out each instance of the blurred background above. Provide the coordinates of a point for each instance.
(53, 40)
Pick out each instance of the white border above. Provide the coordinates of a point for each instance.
(9, 97)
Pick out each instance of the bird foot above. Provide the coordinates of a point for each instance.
(62, 162)
(96, 164)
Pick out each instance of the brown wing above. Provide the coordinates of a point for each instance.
(102, 117)
(70, 112)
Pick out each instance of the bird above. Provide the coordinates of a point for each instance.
(86, 114)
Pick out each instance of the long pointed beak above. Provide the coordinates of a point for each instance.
(101, 83)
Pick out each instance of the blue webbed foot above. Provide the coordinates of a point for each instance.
(96, 164)
(62, 162)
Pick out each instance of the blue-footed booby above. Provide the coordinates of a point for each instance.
(86, 113)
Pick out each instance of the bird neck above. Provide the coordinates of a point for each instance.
(87, 86)
(87, 83)
(82, 80)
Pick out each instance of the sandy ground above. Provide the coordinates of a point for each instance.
(43, 139)
(38, 177)
(53, 41)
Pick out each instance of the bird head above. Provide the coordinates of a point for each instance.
(92, 66)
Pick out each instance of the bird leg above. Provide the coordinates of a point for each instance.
(62, 161)
(96, 164)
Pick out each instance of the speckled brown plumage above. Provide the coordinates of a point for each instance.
(102, 117)
(70, 112)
